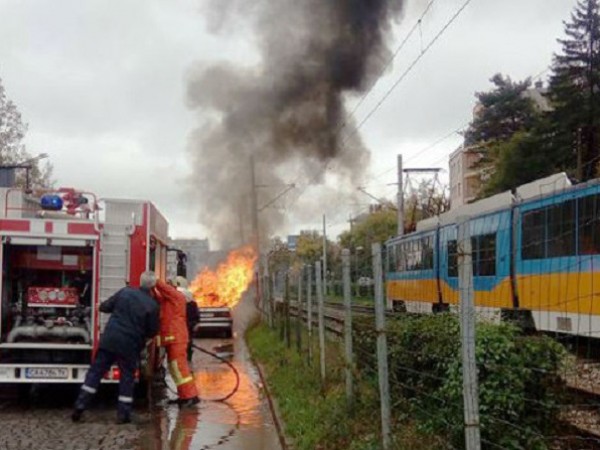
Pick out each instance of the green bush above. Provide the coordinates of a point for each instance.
(519, 382)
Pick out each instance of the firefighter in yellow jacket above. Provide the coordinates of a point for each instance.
(174, 337)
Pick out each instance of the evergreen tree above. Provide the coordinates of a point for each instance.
(12, 149)
(500, 113)
(575, 90)
(505, 132)
(526, 157)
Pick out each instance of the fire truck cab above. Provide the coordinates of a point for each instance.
(61, 255)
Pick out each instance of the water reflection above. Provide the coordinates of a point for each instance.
(241, 423)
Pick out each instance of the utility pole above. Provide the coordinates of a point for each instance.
(579, 172)
(241, 220)
(324, 256)
(400, 197)
(321, 309)
(255, 235)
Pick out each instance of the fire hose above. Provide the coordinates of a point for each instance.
(223, 360)
(231, 366)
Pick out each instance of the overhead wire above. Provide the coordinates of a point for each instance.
(392, 58)
(446, 137)
(386, 66)
(378, 105)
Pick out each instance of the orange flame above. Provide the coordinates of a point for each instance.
(226, 285)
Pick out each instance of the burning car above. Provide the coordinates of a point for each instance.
(218, 291)
(214, 319)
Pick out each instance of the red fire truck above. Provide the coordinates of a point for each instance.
(62, 254)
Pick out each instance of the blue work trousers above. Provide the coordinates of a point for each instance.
(104, 360)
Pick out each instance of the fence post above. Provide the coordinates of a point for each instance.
(288, 334)
(348, 326)
(318, 275)
(309, 312)
(382, 356)
(299, 312)
(280, 315)
(269, 301)
(273, 298)
(467, 335)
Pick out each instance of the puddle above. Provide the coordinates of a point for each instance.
(242, 423)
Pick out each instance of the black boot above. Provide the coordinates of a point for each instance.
(76, 415)
(122, 419)
(124, 413)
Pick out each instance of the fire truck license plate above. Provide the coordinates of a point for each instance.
(46, 372)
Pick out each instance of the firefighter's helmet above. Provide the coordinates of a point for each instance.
(181, 282)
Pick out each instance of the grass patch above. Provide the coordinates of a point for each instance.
(318, 417)
(315, 417)
(520, 389)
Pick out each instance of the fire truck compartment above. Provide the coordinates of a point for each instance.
(46, 306)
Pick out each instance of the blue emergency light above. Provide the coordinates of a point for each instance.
(51, 202)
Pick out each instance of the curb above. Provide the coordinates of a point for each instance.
(283, 440)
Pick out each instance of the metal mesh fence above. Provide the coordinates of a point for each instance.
(491, 326)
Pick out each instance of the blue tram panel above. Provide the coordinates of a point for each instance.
(537, 255)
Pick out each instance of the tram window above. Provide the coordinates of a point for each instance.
(427, 249)
(484, 254)
(413, 256)
(589, 225)
(561, 229)
(452, 258)
(400, 258)
(392, 258)
(533, 234)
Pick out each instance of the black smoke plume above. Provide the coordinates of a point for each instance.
(288, 110)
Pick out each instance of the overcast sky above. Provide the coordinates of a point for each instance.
(102, 86)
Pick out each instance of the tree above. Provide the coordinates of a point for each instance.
(500, 113)
(309, 247)
(513, 135)
(525, 157)
(378, 226)
(279, 256)
(427, 199)
(12, 149)
(575, 89)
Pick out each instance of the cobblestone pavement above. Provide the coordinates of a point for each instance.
(44, 423)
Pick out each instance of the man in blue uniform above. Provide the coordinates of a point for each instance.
(134, 319)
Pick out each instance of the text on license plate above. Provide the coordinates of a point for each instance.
(46, 372)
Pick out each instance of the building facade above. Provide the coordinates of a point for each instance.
(466, 175)
(197, 252)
